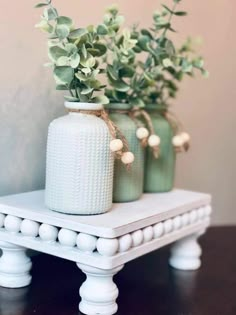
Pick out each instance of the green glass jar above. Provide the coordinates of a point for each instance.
(160, 173)
(128, 184)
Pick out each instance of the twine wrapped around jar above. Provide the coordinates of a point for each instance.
(122, 150)
(151, 139)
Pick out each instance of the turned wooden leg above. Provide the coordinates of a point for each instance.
(98, 292)
(185, 254)
(15, 266)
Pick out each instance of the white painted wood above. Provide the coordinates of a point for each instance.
(123, 219)
(14, 266)
(95, 259)
(185, 254)
(101, 245)
(98, 292)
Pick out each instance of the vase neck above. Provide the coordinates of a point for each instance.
(77, 107)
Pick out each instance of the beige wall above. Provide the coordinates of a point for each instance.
(28, 103)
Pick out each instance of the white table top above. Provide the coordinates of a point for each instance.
(123, 218)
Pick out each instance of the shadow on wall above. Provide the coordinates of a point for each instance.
(26, 112)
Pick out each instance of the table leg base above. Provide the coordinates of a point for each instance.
(98, 292)
(185, 254)
(15, 266)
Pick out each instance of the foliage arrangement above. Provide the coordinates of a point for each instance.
(166, 64)
(74, 54)
(126, 78)
(141, 66)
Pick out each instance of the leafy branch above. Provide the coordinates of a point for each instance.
(74, 54)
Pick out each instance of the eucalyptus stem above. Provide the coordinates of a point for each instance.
(169, 20)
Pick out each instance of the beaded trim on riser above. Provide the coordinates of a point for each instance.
(106, 247)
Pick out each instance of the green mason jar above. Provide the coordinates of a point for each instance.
(128, 184)
(160, 173)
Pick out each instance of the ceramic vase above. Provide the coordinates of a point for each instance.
(128, 184)
(79, 173)
(160, 173)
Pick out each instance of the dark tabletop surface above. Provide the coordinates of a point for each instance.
(147, 285)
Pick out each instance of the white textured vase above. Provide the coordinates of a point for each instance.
(80, 165)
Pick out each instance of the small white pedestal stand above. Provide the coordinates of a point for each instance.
(101, 245)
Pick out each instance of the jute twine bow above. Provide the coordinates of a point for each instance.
(137, 112)
(113, 129)
(178, 128)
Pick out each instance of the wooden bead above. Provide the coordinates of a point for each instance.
(107, 247)
(12, 223)
(200, 213)
(158, 230)
(86, 243)
(185, 137)
(29, 228)
(154, 141)
(148, 234)
(193, 216)
(208, 210)
(185, 218)
(67, 237)
(177, 223)
(127, 158)
(137, 238)
(168, 226)
(142, 133)
(116, 145)
(177, 141)
(125, 243)
(48, 233)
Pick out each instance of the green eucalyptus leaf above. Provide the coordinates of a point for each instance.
(87, 91)
(44, 26)
(198, 63)
(118, 85)
(102, 29)
(71, 98)
(88, 62)
(101, 99)
(137, 49)
(84, 52)
(76, 34)
(101, 48)
(112, 72)
(83, 77)
(63, 61)
(180, 13)
(71, 48)
(170, 48)
(62, 31)
(55, 52)
(50, 13)
(127, 72)
(64, 20)
(86, 71)
(75, 60)
(61, 87)
(167, 63)
(94, 52)
(40, 5)
(205, 73)
(63, 75)
(120, 19)
(143, 42)
(146, 33)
